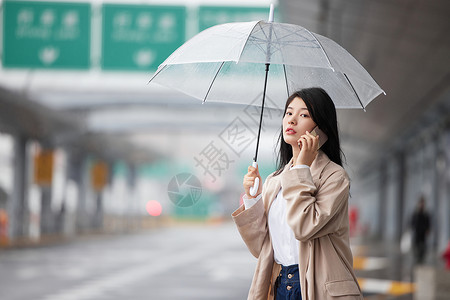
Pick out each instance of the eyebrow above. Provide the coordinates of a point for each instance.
(301, 108)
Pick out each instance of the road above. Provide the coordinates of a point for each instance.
(190, 262)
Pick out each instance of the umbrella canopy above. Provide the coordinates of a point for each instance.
(225, 63)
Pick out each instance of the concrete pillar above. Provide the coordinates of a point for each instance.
(19, 220)
(82, 173)
(442, 213)
(401, 179)
(446, 197)
(132, 204)
(98, 216)
(47, 219)
(73, 186)
(380, 231)
(434, 206)
(97, 219)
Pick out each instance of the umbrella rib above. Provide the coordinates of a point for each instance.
(246, 41)
(285, 78)
(277, 46)
(351, 85)
(294, 42)
(156, 73)
(284, 67)
(258, 44)
(264, 41)
(212, 82)
(255, 39)
(262, 29)
(323, 50)
(306, 41)
(293, 33)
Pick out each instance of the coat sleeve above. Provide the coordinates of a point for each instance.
(310, 212)
(252, 223)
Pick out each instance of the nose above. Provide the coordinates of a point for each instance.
(291, 120)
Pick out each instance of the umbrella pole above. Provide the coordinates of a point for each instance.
(255, 186)
(262, 112)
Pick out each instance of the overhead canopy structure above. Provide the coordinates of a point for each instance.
(20, 115)
(403, 44)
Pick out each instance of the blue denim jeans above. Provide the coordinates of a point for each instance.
(288, 284)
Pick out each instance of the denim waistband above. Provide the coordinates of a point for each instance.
(289, 274)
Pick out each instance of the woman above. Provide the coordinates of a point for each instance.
(297, 223)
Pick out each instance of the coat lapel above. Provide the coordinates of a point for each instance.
(317, 167)
(274, 184)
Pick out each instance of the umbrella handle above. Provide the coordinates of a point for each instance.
(255, 186)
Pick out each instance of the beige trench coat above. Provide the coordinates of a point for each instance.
(317, 204)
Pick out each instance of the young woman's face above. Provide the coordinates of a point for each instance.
(296, 121)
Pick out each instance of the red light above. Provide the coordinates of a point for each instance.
(154, 208)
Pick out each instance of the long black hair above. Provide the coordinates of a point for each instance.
(323, 112)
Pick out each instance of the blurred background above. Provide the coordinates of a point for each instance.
(114, 188)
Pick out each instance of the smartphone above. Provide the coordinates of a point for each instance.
(322, 136)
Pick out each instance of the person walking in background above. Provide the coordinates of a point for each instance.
(420, 225)
(297, 224)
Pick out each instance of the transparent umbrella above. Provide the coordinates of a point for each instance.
(231, 62)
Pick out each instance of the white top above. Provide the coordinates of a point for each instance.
(285, 245)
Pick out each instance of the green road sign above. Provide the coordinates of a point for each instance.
(140, 37)
(213, 15)
(51, 35)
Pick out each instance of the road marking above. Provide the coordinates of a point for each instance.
(97, 287)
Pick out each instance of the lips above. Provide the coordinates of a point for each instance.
(290, 131)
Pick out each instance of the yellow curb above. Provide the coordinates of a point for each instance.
(359, 262)
(386, 287)
(401, 288)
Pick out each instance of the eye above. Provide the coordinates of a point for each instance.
(304, 116)
(288, 113)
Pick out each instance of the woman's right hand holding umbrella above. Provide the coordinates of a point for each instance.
(249, 180)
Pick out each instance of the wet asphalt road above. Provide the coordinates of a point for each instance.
(191, 262)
